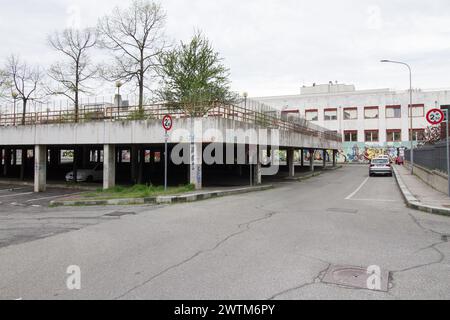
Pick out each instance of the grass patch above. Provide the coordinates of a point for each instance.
(137, 191)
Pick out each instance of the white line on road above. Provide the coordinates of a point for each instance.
(376, 200)
(16, 194)
(357, 190)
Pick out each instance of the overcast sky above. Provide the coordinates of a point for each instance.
(273, 47)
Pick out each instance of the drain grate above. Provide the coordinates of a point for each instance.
(445, 237)
(354, 277)
(120, 214)
(342, 210)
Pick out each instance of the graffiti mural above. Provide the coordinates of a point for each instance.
(362, 153)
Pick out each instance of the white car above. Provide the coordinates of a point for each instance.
(87, 175)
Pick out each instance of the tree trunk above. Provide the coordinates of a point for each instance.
(76, 105)
(24, 110)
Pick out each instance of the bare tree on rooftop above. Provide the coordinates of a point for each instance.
(134, 36)
(72, 73)
(25, 80)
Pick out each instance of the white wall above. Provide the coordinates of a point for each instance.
(361, 99)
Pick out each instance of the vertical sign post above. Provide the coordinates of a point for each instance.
(448, 149)
(167, 125)
(435, 117)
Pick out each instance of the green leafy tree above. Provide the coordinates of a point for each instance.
(193, 78)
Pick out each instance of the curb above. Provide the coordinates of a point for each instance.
(413, 203)
(162, 199)
(314, 174)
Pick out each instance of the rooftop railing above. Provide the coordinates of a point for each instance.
(250, 112)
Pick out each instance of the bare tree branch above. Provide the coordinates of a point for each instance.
(77, 68)
(135, 39)
(24, 81)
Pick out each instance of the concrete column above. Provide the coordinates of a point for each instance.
(134, 163)
(257, 168)
(302, 157)
(141, 165)
(324, 156)
(7, 161)
(311, 160)
(40, 168)
(23, 163)
(1, 160)
(86, 157)
(109, 166)
(290, 162)
(196, 160)
(76, 159)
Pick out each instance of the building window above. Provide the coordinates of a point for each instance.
(312, 115)
(418, 135)
(371, 136)
(371, 112)
(394, 135)
(350, 113)
(351, 136)
(393, 111)
(417, 111)
(330, 114)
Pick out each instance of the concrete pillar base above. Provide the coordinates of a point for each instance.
(290, 162)
(196, 165)
(109, 166)
(40, 168)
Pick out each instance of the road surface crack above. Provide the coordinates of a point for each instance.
(432, 247)
(317, 279)
(247, 226)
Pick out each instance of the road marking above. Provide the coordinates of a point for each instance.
(357, 190)
(376, 200)
(58, 196)
(17, 194)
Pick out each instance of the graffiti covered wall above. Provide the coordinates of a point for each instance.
(362, 153)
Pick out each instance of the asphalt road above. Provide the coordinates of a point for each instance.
(275, 244)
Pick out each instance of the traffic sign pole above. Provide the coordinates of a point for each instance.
(167, 125)
(448, 150)
(165, 160)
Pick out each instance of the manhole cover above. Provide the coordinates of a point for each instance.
(342, 210)
(119, 214)
(355, 277)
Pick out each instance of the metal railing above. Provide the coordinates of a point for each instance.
(251, 113)
(432, 157)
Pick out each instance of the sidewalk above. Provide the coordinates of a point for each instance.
(418, 195)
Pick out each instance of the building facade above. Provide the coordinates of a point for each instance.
(371, 122)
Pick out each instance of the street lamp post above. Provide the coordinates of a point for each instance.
(250, 156)
(14, 96)
(409, 109)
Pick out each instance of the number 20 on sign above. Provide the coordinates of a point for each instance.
(435, 116)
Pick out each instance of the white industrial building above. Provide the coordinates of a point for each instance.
(370, 121)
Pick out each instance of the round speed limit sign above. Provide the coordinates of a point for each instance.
(435, 116)
(167, 123)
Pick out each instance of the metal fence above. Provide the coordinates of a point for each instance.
(431, 157)
(248, 111)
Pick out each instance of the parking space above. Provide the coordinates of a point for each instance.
(23, 196)
(26, 216)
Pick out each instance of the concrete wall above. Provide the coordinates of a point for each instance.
(437, 180)
(141, 132)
